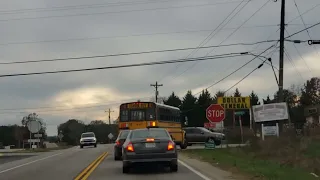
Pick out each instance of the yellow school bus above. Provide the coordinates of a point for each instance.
(137, 115)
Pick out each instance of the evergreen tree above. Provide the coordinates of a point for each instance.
(218, 94)
(268, 100)
(254, 99)
(188, 108)
(203, 103)
(204, 99)
(173, 100)
(237, 93)
(288, 96)
(310, 93)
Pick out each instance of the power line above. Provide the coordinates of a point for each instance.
(295, 3)
(292, 63)
(244, 22)
(270, 54)
(303, 30)
(305, 62)
(235, 70)
(87, 6)
(128, 65)
(305, 12)
(112, 12)
(308, 35)
(124, 36)
(53, 108)
(232, 32)
(194, 64)
(203, 42)
(131, 53)
(244, 78)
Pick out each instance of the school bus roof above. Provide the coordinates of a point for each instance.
(157, 104)
(166, 106)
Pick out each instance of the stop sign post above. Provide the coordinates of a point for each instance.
(215, 113)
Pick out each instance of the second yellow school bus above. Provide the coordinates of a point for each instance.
(137, 115)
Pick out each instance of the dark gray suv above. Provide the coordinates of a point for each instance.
(196, 135)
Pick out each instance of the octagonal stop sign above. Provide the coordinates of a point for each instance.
(215, 113)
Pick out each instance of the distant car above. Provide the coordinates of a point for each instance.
(195, 135)
(88, 139)
(150, 145)
(119, 142)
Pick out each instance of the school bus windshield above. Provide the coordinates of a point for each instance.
(137, 112)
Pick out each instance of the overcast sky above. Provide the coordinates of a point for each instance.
(48, 29)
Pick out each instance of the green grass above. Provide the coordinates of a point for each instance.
(249, 165)
(313, 149)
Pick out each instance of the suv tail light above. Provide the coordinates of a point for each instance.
(118, 143)
(130, 147)
(170, 146)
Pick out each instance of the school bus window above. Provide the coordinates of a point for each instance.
(124, 115)
(137, 115)
(150, 114)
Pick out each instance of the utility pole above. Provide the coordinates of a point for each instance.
(109, 112)
(156, 86)
(282, 28)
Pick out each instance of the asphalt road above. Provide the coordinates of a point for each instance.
(70, 163)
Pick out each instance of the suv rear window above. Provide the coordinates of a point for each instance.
(84, 135)
(123, 134)
(151, 133)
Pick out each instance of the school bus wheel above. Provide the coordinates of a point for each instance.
(184, 144)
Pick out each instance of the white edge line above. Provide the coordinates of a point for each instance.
(193, 170)
(21, 165)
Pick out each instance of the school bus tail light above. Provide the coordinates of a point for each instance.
(151, 124)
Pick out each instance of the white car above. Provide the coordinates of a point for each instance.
(88, 139)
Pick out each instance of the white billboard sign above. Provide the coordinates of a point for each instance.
(270, 112)
(270, 130)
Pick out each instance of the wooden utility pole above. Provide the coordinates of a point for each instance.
(109, 112)
(282, 28)
(156, 86)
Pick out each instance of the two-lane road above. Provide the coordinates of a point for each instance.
(94, 163)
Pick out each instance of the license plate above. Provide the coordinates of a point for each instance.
(150, 145)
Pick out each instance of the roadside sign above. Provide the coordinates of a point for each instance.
(110, 136)
(239, 113)
(234, 102)
(215, 113)
(38, 135)
(209, 125)
(210, 144)
(34, 126)
(33, 140)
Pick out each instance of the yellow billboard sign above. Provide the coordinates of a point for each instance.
(234, 102)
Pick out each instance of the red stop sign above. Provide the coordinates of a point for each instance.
(215, 113)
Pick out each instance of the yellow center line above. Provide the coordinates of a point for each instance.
(94, 167)
(90, 166)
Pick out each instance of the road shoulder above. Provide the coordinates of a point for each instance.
(206, 168)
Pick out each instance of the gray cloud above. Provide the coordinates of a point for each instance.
(40, 91)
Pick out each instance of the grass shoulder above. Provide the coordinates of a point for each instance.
(237, 161)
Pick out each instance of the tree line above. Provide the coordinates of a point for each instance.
(73, 128)
(297, 97)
